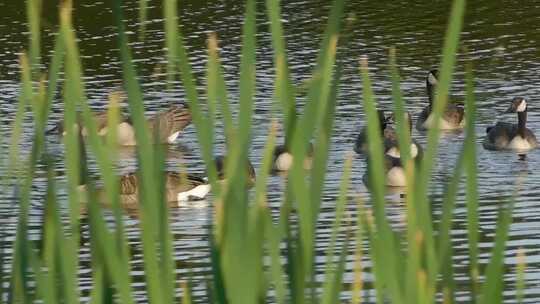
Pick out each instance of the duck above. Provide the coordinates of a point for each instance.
(452, 118)
(508, 136)
(282, 159)
(166, 125)
(361, 143)
(395, 175)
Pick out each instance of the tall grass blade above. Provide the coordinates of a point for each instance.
(333, 273)
(424, 214)
(493, 286)
(472, 184)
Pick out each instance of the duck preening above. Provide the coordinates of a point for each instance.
(165, 126)
(508, 136)
(453, 116)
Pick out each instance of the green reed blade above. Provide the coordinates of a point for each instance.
(220, 88)
(143, 17)
(472, 184)
(404, 136)
(171, 34)
(76, 89)
(177, 55)
(219, 291)
(521, 265)
(186, 287)
(315, 112)
(158, 290)
(444, 244)
(19, 279)
(284, 90)
(404, 142)
(257, 226)
(493, 286)
(97, 293)
(333, 273)
(448, 60)
(235, 210)
(389, 260)
(33, 12)
(103, 249)
(276, 271)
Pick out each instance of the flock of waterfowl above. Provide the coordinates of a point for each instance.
(501, 136)
(170, 123)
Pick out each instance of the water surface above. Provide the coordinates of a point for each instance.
(502, 38)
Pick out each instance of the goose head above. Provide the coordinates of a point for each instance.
(391, 119)
(519, 104)
(432, 78)
(220, 168)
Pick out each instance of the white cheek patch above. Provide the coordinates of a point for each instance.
(414, 151)
(284, 161)
(393, 152)
(431, 79)
(522, 106)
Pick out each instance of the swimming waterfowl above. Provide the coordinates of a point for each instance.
(179, 188)
(361, 143)
(282, 160)
(508, 136)
(391, 143)
(395, 175)
(453, 116)
(165, 126)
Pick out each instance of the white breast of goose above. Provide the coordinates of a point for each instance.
(519, 143)
(197, 193)
(394, 151)
(284, 161)
(126, 134)
(395, 177)
(443, 124)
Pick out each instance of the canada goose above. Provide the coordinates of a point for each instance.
(391, 143)
(282, 160)
(361, 143)
(179, 188)
(508, 136)
(166, 125)
(395, 175)
(453, 116)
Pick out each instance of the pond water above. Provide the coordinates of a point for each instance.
(502, 38)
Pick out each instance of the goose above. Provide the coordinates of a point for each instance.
(179, 188)
(395, 175)
(391, 143)
(361, 143)
(453, 116)
(282, 159)
(508, 136)
(165, 126)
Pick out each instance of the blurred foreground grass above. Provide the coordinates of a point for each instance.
(253, 257)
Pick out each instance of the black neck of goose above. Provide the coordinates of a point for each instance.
(430, 92)
(522, 120)
(83, 169)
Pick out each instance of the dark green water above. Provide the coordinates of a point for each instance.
(503, 38)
